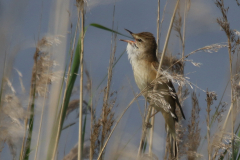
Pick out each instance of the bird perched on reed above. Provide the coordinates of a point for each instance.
(142, 55)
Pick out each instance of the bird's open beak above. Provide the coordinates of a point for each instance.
(129, 31)
(128, 41)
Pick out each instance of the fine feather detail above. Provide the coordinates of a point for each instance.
(133, 53)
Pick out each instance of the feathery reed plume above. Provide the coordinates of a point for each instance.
(107, 116)
(210, 97)
(74, 104)
(237, 3)
(210, 49)
(43, 67)
(233, 42)
(180, 128)
(107, 113)
(193, 130)
(72, 155)
(180, 28)
(150, 156)
(12, 115)
(177, 25)
(160, 27)
(41, 77)
(223, 144)
(20, 80)
(219, 110)
(186, 10)
(173, 62)
(95, 134)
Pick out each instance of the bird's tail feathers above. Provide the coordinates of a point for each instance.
(173, 142)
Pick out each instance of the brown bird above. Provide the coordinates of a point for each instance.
(142, 55)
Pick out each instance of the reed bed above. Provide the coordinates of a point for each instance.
(208, 132)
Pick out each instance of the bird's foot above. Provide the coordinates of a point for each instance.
(154, 114)
(148, 125)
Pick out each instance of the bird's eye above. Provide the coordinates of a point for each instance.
(139, 40)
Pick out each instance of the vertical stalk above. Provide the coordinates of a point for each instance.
(232, 98)
(151, 133)
(29, 121)
(184, 29)
(91, 126)
(223, 22)
(168, 35)
(106, 106)
(80, 140)
(153, 110)
(208, 125)
(41, 120)
(144, 132)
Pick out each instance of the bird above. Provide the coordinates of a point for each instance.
(142, 56)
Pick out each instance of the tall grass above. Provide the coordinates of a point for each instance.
(222, 142)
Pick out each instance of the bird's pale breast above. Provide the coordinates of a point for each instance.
(143, 73)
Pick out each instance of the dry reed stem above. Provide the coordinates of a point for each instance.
(43, 108)
(210, 97)
(106, 110)
(181, 129)
(95, 132)
(160, 28)
(208, 125)
(159, 68)
(223, 22)
(184, 27)
(31, 96)
(178, 25)
(80, 4)
(168, 35)
(153, 110)
(120, 117)
(209, 49)
(193, 130)
(91, 125)
(134, 94)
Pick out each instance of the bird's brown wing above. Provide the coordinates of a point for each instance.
(174, 95)
(172, 90)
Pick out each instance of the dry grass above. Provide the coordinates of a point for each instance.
(193, 129)
(211, 96)
(222, 143)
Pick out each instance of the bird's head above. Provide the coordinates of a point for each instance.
(144, 43)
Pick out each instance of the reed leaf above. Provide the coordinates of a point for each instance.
(61, 116)
(108, 29)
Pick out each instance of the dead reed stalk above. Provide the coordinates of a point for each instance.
(144, 130)
(210, 97)
(26, 143)
(232, 43)
(193, 130)
(107, 115)
(80, 5)
(153, 110)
